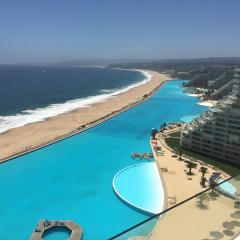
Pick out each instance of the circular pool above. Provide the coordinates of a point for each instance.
(140, 186)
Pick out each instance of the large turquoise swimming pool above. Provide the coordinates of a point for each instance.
(72, 179)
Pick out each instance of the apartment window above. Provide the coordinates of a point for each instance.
(219, 134)
(219, 125)
(207, 131)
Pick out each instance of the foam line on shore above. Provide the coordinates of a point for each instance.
(41, 114)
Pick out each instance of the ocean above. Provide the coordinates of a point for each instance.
(33, 93)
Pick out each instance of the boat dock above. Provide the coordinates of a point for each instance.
(44, 225)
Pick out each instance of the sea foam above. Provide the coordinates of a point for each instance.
(41, 114)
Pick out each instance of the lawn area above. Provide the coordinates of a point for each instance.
(230, 168)
(175, 134)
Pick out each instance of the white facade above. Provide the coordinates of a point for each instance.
(217, 131)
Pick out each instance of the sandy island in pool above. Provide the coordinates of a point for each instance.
(22, 139)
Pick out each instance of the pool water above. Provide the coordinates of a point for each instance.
(228, 187)
(140, 186)
(189, 118)
(59, 233)
(72, 179)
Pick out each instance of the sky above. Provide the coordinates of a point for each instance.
(65, 30)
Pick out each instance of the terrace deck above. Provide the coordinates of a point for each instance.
(76, 230)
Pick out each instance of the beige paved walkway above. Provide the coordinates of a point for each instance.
(179, 186)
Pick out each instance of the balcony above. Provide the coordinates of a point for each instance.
(236, 75)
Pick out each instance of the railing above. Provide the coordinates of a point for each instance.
(211, 214)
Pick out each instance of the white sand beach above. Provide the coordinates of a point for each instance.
(18, 140)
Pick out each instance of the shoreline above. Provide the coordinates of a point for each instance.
(31, 137)
(40, 114)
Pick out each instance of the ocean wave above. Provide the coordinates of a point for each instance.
(106, 91)
(40, 114)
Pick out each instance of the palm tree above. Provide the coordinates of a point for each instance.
(203, 181)
(212, 185)
(153, 133)
(180, 153)
(190, 166)
(203, 170)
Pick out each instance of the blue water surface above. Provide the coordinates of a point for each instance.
(30, 87)
(140, 186)
(72, 179)
(57, 233)
(228, 187)
(188, 118)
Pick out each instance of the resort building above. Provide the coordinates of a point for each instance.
(223, 91)
(217, 131)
